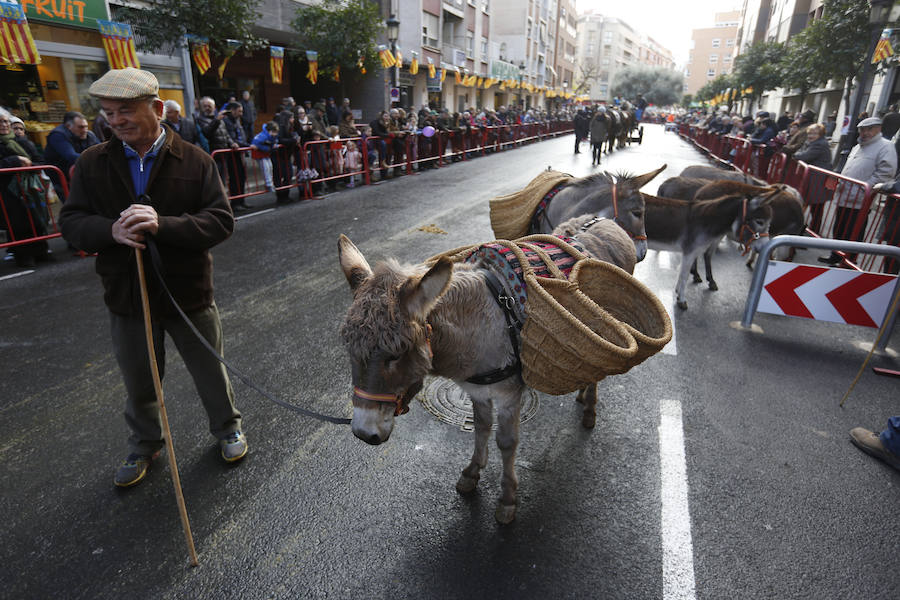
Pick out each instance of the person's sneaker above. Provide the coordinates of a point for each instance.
(133, 469)
(234, 447)
(870, 443)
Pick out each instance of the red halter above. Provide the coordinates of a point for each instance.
(615, 203)
(396, 399)
(754, 235)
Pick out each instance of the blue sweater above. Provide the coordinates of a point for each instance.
(264, 141)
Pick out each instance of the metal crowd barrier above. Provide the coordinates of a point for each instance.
(31, 219)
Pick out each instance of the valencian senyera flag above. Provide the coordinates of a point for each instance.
(276, 62)
(431, 68)
(16, 43)
(387, 58)
(883, 49)
(313, 74)
(231, 47)
(443, 72)
(414, 63)
(200, 52)
(399, 59)
(119, 44)
(457, 74)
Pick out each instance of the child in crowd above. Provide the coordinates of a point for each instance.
(335, 150)
(352, 162)
(371, 153)
(261, 150)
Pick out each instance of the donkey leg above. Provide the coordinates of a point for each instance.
(508, 441)
(707, 263)
(588, 397)
(686, 260)
(468, 479)
(695, 273)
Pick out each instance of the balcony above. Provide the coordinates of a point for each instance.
(453, 55)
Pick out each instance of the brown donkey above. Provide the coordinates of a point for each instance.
(407, 321)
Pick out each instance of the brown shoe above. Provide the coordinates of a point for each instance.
(870, 443)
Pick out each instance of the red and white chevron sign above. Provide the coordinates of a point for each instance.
(826, 294)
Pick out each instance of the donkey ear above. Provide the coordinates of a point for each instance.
(755, 202)
(419, 295)
(354, 264)
(642, 180)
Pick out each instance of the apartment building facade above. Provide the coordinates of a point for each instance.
(712, 51)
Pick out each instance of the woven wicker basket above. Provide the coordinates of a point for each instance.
(511, 214)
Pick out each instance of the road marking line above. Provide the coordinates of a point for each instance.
(19, 274)
(677, 547)
(254, 214)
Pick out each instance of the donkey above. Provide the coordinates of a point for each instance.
(691, 227)
(614, 196)
(406, 321)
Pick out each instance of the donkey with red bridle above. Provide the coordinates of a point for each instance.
(691, 227)
(446, 319)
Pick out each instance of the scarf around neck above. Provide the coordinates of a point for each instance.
(9, 140)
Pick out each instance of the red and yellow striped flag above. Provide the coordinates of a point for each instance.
(883, 49)
(414, 63)
(399, 62)
(458, 75)
(431, 68)
(337, 73)
(313, 74)
(200, 53)
(16, 43)
(119, 44)
(231, 47)
(276, 62)
(387, 58)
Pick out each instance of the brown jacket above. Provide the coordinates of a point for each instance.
(194, 215)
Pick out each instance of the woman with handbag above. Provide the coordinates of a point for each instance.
(23, 198)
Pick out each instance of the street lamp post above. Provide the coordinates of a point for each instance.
(521, 74)
(393, 33)
(878, 15)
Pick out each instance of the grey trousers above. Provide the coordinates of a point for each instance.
(210, 377)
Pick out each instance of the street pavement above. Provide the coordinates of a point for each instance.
(719, 468)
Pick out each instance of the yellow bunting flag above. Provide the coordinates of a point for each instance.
(399, 61)
(119, 44)
(16, 43)
(276, 62)
(431, 68)
(200, 52)
(361, 63)
(414, 64)
(313, 74)
(231, 47)
(387, 59)
(457, 74)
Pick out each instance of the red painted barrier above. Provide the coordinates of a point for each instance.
(32, 219)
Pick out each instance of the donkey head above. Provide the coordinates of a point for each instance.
(751, 228)
(628, 205)
(387, 336)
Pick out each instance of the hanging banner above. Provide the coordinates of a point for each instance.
(431, 68)
(16, 43)
(337, 73)
(387, 58)
(276, 62)
(230, 49)
(70, 13)
(414, 63)
(883, 49)
(313, 74)
(118, 42)
(399, 59)
(200, 52)
(457, 74)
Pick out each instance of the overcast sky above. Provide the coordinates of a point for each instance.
(669, 22)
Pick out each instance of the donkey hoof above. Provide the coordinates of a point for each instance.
(682, 304)
(466, 485)
(697, 279)
(588, 420)
(505, 513)
(713, 286)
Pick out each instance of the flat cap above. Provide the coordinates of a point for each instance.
(870, 122)
(125, 84)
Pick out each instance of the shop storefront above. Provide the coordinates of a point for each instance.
(72, 57)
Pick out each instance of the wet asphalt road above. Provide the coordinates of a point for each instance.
(780, 504)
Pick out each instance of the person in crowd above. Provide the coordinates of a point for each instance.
(183, 126)
(183, 207)
(816, 151)
(798, 137)
(248, 116)
(397, 127)
(24, 212)
(101, 128)
(367, 146)
(318, 132)
(196, 112)
(890, 234)
(884, 446)
(237, 174)
(352, 162)
(282, 155)
(65, 143)
(212, 124)
(411, 127)
(873, 160)
(332, 112)
(380, 130)
(347, 126)
(582, 126)
(784, 120)
(21, 136)
(345, 107)
(599, 132)
(831, 124)
(890, 122)
(767, 133)
(335, 152)
(261, 149)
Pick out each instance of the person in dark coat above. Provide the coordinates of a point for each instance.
(599, 132)
(816, 151)
(65, 143)
(581, 123)
(332, 112)
(183, 126)
(147, 181)
(248, 118)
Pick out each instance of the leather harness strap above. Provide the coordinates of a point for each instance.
(513, 326)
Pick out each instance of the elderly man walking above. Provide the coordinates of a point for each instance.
(146, 181)
(873, 160)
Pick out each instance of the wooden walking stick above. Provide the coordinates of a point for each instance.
(157, 384)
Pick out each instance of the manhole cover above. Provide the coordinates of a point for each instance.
(446, 401)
